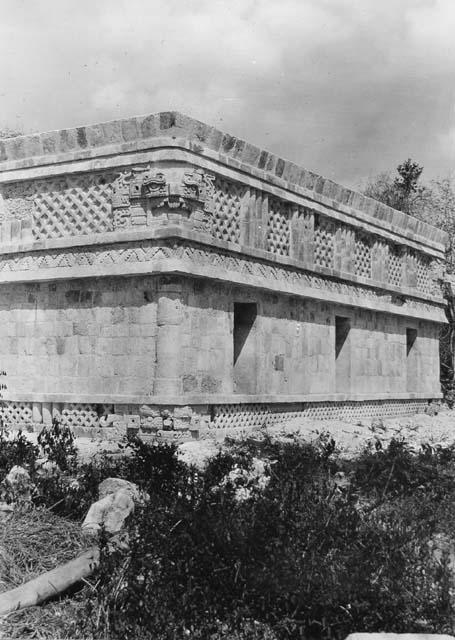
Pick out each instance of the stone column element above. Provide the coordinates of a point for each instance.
(37, 415)
(344, 249)
(46, 409)
(247, 217)
(302, 235)
(258, 213)
(409, 278)
(57, 411)
(379, 260)
(168, 342)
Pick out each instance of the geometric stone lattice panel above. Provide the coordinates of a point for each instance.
(227, 198)
(324, 236)
(250, 416)
(19, 415)
(65, 205)
(362, 256)
(278, 227)
(80, 415)
(395, 266)
(247, 416)
(14, 414)
(424, 282)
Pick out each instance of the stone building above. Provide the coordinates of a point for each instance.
(159, 274)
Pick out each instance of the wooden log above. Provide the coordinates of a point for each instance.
(51, 583)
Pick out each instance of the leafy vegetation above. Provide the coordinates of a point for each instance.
(329, 546)
(16, 451)
(322, 547)
(404, 191)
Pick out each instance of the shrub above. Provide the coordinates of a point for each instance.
(17, 450)
(70, 496)
(57, 444)
(307, 556)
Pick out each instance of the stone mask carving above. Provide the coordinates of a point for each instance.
(140, 187)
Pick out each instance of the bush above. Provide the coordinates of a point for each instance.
(57, 444)
(307, 556)
(16, 451)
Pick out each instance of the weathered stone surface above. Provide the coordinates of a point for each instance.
(117, 499)
(19, 483)
(110, 512)
(112, 485)
(129, 311)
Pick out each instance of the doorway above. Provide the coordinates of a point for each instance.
(245, 347)
(342, 354)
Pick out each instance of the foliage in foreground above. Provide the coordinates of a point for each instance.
(324, 547)
(328, 547)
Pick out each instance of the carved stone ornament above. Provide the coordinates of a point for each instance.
(141, 189)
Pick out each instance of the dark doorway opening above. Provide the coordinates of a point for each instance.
(411, 337)
(342, 328)
(245, 347)
(411, 359)
(342, 354)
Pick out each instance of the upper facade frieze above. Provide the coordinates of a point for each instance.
(93, 147)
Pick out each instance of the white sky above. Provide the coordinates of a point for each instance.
(347, 88)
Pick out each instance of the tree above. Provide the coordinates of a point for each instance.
(439, 210)
(402, 192)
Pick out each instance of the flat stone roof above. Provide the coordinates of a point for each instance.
(171, 128)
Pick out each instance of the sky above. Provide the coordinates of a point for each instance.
(346, 88)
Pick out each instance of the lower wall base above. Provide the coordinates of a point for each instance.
(258, 415)
(102, 420)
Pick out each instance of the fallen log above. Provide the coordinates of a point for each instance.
(51, 583)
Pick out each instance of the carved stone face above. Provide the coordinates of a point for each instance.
(191, 193)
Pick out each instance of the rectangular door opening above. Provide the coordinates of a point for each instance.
(342, 354)
(411, 359)
(411, 337)
(245, 347)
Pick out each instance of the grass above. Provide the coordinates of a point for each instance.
(33, 541)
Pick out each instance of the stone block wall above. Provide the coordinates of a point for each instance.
(93, 337)
(156, 273)
(295, 346)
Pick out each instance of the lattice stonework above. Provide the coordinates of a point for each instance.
(324, 237)
(362, 255)
(227, 198)
(251, 416)
(79, 415)
(395, 266)
(16, 414)
(424, 282)
(71, 205)
(278, 227)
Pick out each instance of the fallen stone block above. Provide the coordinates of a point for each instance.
(110, 512)
(19, 484)
(118, 498)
